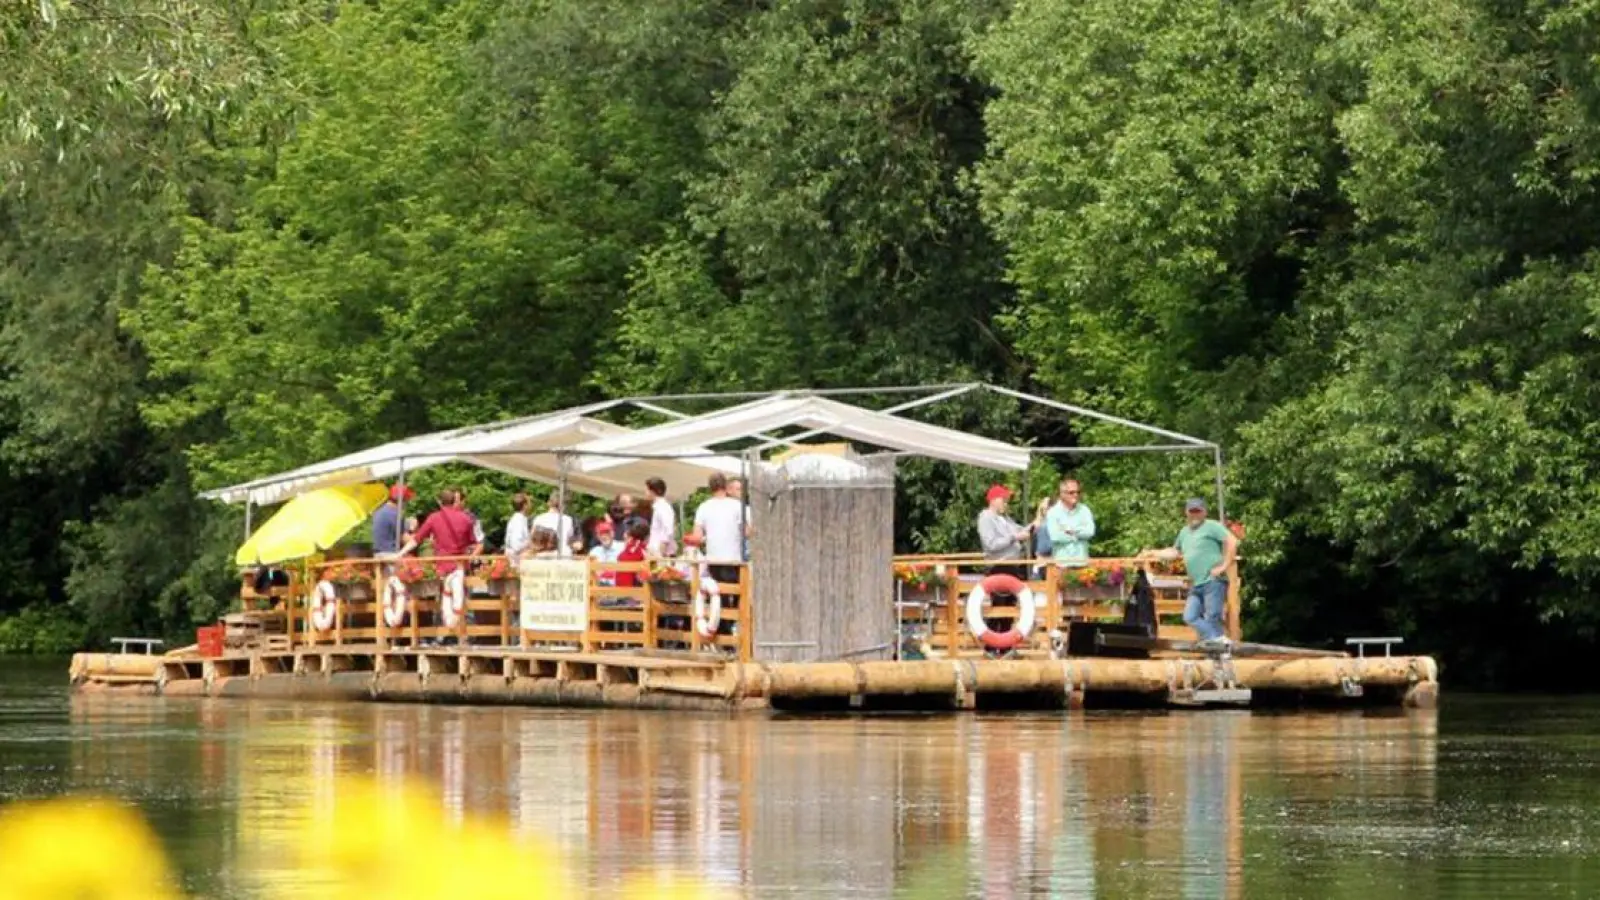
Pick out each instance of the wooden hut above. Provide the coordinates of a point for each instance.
(823, 557)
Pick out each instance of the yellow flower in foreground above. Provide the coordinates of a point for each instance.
(80, 849)
(661, 887)
(398, 842)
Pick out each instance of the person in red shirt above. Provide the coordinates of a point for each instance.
(449, 528)
(633, 551)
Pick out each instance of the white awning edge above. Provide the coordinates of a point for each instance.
(750, 420)
(526, 448)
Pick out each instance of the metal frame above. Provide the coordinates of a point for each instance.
(928, 395)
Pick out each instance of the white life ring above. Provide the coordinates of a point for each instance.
(453, 600)
(394, 602)
(324, 606)
(707, 608)
(1021, 627)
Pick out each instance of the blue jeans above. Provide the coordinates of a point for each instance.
(1204, 609)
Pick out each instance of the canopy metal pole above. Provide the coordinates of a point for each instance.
(1033, 539)
(1221, 512)
(561, 511)
(400, 519)
(818, 392)
(1135, 448)
(950, 394)
(1104, 417)
(744, 502)
(247, 506)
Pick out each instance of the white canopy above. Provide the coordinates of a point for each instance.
(605, 459)
(807, 411)
(526, 448)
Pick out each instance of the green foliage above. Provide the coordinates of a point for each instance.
(1354, 243)
(829, 240)
(41, 631)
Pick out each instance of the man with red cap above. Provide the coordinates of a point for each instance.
(1000, 536)
(606, 549)
(386, 521)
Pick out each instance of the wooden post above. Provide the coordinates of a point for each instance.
(411, 614)
(952, 612)
(288, 618)
(747, 614)
(1052, 600)
(466, 602)
(379, 628)
(650, 611)
(505, 615)
(590, 601)
(1235, 631)
(339, 612)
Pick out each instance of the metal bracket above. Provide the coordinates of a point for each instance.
(1224, 689)
(1361, 644)
(1350, 686)
(965, 695)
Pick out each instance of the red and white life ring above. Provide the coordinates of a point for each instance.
(707, 609)
(324, 606)
(394, 602)
(453, 601)
(1021, 627)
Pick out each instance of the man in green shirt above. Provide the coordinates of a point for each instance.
(1208, 551)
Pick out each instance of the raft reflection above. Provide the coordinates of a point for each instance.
(994, 806)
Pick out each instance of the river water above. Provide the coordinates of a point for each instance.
(1490, 797)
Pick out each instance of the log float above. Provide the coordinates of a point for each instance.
(798, 681)
(638, 681)
(105, 666)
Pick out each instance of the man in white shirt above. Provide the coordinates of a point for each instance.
(720, 527)
(663, 540)
(559, 524)
(519, 536)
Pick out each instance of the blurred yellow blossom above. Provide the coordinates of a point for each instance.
(397, 841)
(662, 887)
(80, 849)
(374, 839)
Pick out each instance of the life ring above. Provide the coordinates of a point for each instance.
(394, 602)
(324, 606)
(708, 599)
(453, 600)
(1021, 627)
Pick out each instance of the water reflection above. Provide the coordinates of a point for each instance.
(1191, 805)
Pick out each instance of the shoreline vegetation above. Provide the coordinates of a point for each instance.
(1357, 246)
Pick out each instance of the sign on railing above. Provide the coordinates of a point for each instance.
(555, 594)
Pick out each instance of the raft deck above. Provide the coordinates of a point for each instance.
(633, 647)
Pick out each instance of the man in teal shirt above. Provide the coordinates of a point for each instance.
(1208, 551)
(1071, 525)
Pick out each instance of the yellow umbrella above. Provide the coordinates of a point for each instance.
(311, 522)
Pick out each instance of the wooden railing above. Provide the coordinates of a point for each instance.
(1068, 595)
(638, 617)
(644, 618)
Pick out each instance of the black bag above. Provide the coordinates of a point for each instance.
(267, 578)
(1140, 610)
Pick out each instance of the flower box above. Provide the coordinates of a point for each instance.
(1080, 594)
(669, 591)
(921, 576)
(353, 591)
(425, 588)
(922, 596)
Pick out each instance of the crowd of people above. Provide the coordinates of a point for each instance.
(630, 530)
(1061, 531)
